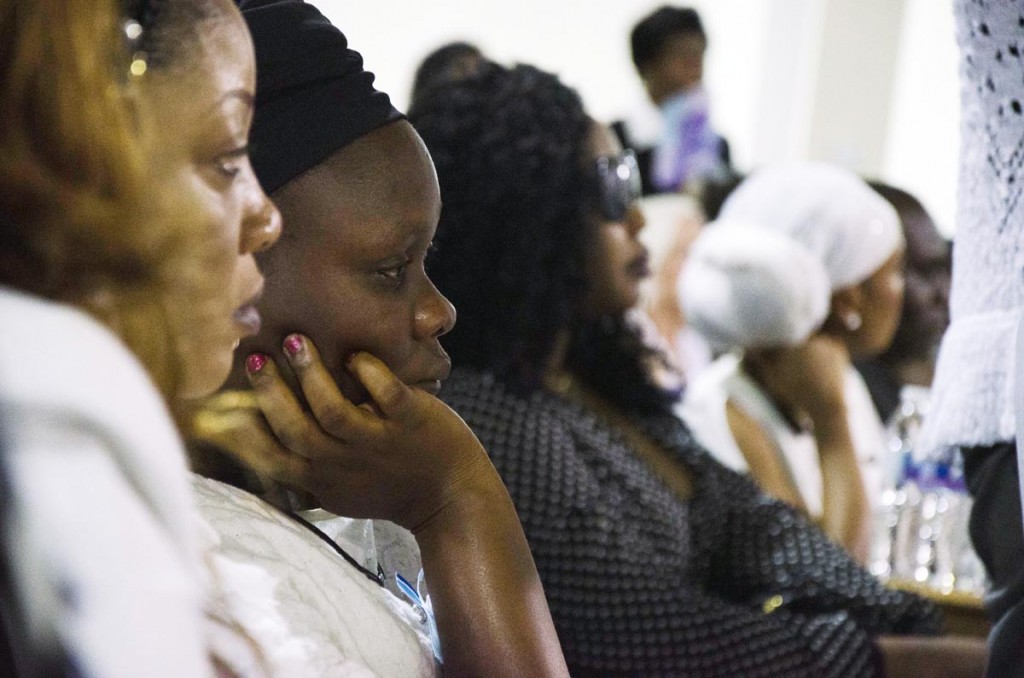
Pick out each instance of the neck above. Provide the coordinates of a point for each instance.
(789, 410)
(556, 377)
(916, 372)
(559, 353)
(668, 321)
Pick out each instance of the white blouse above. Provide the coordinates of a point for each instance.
(704, 411)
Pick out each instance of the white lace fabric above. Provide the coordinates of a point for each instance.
(974, 383)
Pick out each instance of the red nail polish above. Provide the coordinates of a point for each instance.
(255, 362)
(293, 344)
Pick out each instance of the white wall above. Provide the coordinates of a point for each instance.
(778, 71)
(924, 123)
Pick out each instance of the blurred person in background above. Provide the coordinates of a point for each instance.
(802, 270)
(910, 358)
(451, 60)
(667, 47)
(672, 222)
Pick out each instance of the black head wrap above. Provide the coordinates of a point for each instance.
(312, 95)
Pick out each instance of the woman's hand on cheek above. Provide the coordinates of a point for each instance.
(404, 456)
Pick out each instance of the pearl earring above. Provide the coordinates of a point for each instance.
(853, 321)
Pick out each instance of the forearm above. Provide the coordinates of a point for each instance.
(942, 657)
(764, 461)
(844, 500)
(489, 604)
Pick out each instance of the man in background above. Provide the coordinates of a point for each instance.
(668, 49)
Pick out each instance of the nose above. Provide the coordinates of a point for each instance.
(261, 225)
(635, 221)
(435, 315)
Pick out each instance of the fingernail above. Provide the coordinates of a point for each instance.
(293, 344)
(255, 362)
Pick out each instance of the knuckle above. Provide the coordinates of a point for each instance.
(293, 436)
(332, 418)
(393, 396)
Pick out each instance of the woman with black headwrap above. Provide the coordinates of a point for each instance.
(365, 435)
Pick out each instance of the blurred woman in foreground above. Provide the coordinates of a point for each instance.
(130, 222)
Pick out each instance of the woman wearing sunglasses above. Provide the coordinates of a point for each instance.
(655, 559)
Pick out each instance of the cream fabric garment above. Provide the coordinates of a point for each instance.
(357, 628)
(113, 561)
(108, 561)
(749, 286)
(828, 209)
(763, 274)
(703, 409)
(373, 544)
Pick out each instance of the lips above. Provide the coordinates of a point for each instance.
(639, 267)
(247, 317)
(432, 384)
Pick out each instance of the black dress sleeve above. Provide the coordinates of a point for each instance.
(629, 591)
(773, 553)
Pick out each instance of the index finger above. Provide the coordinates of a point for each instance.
(333, 411)
(387, 391)
(293, 427)
(241, 434)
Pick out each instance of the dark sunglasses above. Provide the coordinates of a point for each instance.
(619, 182)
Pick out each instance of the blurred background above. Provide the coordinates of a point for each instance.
(869, 84)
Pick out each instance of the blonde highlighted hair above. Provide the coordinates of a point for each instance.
(80, 223)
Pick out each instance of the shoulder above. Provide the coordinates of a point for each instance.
(65, 380)
(708, 408)
(533, 438)
(713, 382)
(57, 356)
(484, 400)
(319, 596)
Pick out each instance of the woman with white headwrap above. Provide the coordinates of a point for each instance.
(801, 271)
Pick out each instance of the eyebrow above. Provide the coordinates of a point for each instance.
(242, 94)
(245, 95)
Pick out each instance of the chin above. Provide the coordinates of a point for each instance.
(205, 378)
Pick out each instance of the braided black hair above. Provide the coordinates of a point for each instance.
(516, 225)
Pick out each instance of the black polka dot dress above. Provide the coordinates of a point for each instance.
(641, 583)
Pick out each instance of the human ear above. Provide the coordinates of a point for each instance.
(846, 312)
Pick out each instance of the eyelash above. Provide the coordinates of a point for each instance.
(224, 165)
(395, 274)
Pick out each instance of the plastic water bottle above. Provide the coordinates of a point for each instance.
(908, 521)
(966, 572)
(894, 520)
(932, 559)
(921, 528)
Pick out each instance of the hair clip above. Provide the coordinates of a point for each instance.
(133, 31)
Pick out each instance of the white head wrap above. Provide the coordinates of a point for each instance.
(747, 286)
(763, 274)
